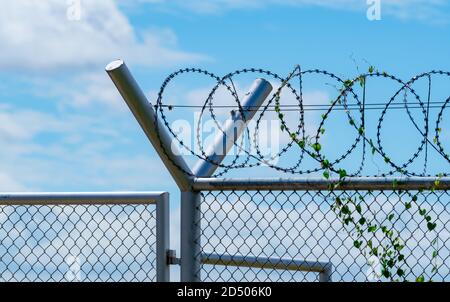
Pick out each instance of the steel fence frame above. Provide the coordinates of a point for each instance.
(193, 182)
(159, 199)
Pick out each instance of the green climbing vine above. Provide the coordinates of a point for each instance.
(372, 236)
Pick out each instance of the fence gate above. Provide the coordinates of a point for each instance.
(107, 236)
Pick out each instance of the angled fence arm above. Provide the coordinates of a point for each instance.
(233, 128)
(146, 116)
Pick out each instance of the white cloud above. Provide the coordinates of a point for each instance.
(25, 124)
(73, 151)
(38, 35)
(402, 9)
(8, 184)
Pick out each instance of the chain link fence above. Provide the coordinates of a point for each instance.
(246, 234)
(291, 225)
(85, 241)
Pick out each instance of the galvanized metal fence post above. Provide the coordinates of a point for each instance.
(190, 237)
(191, 252)
(162, 238)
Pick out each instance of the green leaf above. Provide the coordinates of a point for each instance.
(435, 253)
(420, 279)
(436, 183)
(342, 173)
(346, 210)
(408, 205)
(373, 147)
(357, 244)
(400, 272)
(325, 163)
(301, 144)
(362, 221)
(401, 257)
(358, 208)
(362, 80)
(374, 251)
(390, 217)
(326, 174)
(414, 198)
(431, 226)
(372, 228)
(317, 147)
(422, 212)
(371, 69)
(391, 263)
(394, 184)
(348, 83)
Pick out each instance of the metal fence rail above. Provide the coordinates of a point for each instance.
(324, 269)
(84, 236)
(293, 219)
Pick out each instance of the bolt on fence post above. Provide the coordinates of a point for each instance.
(162, 238)
(190, 237)
(233, 128)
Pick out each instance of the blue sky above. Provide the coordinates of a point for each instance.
(63, 126)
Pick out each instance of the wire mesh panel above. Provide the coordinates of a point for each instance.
(78, 242)
(304, 225)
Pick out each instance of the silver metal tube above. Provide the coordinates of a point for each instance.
(80, 198)
(324, 268)
(359, 183)
(162, 238)
(146, 116)
(325, 276)
(190, 237)
(233, 128)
